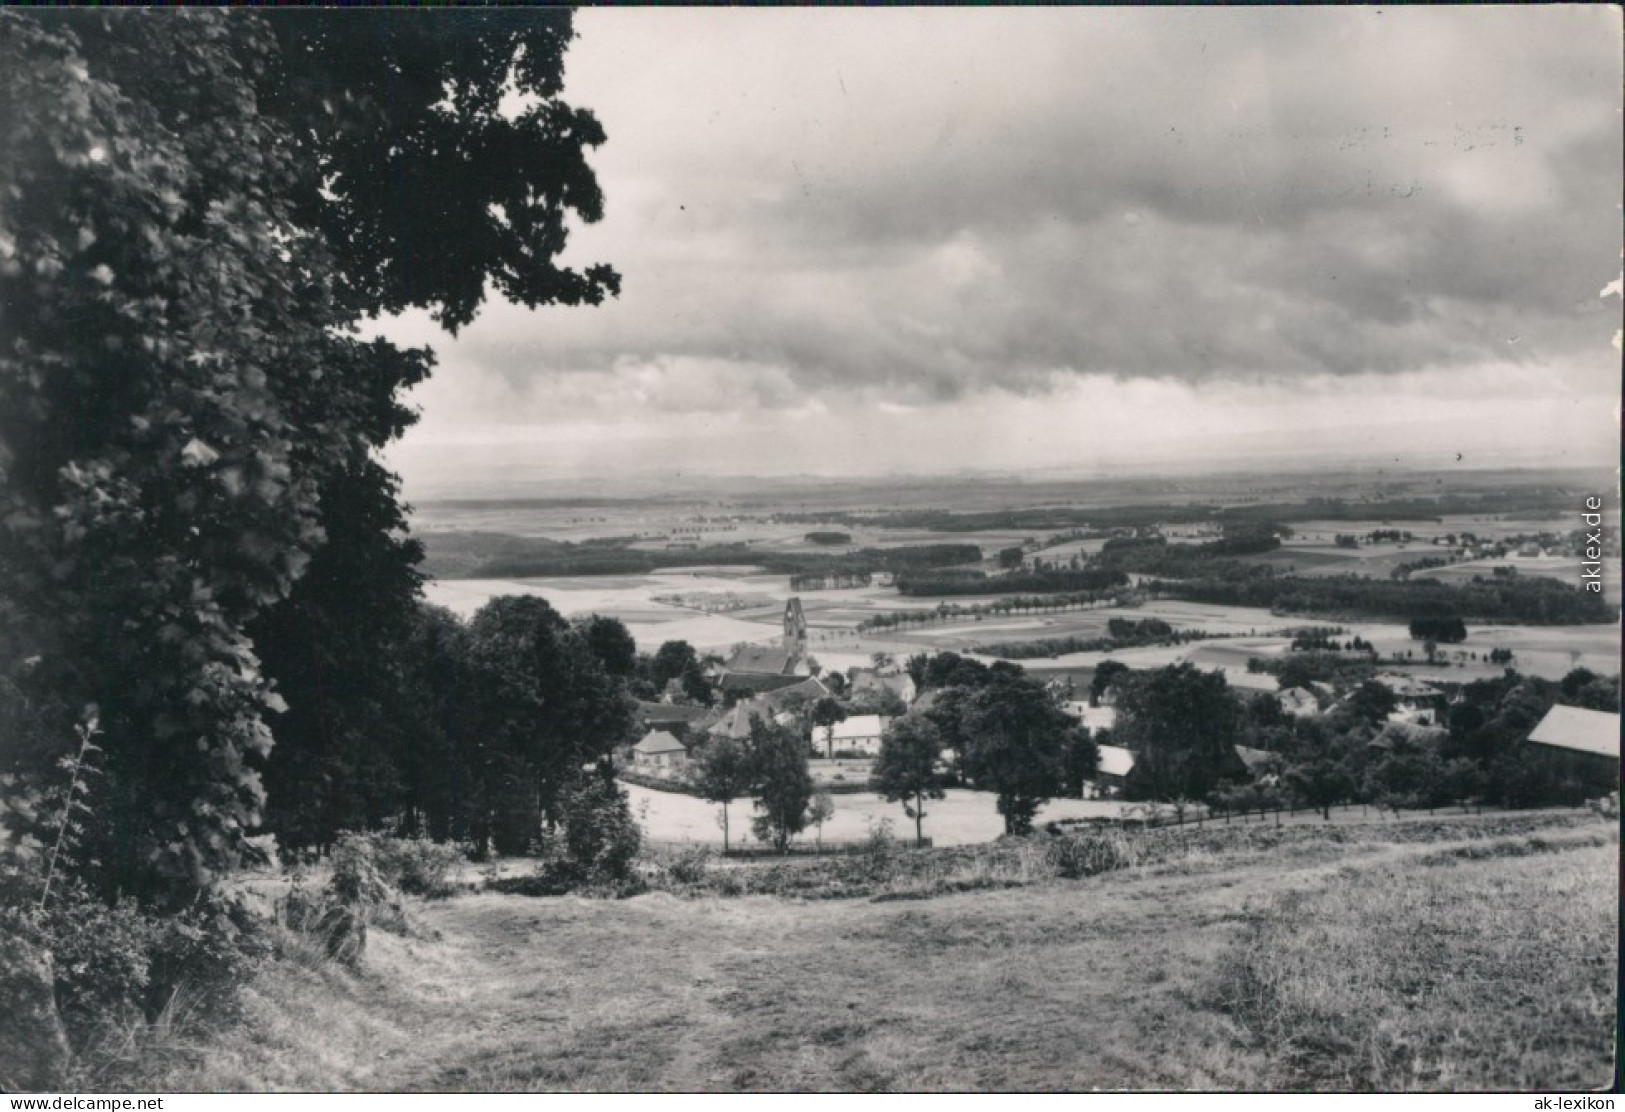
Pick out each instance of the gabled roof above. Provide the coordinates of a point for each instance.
(867, 679)
(1407, 688)
(1398, 729)
(670, 712)
(768, 659)
(755, 683)
(659, 741)
(1251, 757)
(859, 725)
(1579, 730)
(736, 723)
(1298, 700)
(1115, 761)
(779, 698)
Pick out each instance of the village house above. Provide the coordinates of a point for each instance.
(859, 734)
(871, 682)
(681, 720)
(659, 753)
(1115, 765)
(1299, 702)
(1420, 703)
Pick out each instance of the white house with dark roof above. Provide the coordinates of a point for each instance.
(859, 734)
(659, 752)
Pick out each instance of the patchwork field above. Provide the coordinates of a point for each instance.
(1465, 955)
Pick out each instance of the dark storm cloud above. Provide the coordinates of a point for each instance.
(925, 204)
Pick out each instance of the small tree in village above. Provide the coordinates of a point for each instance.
(820, 811)
(723, 772)
(907, 769)
(783, 783)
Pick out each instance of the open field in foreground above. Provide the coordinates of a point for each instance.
(1462, 955)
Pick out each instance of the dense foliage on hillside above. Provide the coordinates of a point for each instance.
(1534, 600)
(498, 556)
(1046, 581)
(199, 207)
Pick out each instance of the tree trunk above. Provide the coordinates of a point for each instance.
(919, 839)
(724, 830)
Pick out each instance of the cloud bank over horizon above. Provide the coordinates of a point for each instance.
(932, 238)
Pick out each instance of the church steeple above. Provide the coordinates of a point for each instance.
(795, 628)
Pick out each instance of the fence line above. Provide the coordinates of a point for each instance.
(828, 847)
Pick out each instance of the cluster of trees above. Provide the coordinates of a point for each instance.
(491, 726)
(1528, 599)
(1019, 604)
(1449, 629)
(1324, 639)
(485, 556)
(1183, 726)
(770, 767)
(200, 551)
(1410, 567)
(1008, 735)
(828, 537)
(1123, 633)
(1047, 581)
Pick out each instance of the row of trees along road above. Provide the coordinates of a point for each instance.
(198, 546)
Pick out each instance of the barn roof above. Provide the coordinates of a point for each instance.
(1579, 730)
(659, 741)
(1115, 760)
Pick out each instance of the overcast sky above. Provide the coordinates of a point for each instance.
(920, 240)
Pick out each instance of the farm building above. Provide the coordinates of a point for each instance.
(800, 694)
(1418, 702)
(868, 681)
(1576, 754)
(1261, 763)
(677, 719)
(1299, 702)
(1577, 730)
(1115, 765)
(659, 752)
(735, 723)
(859, 734)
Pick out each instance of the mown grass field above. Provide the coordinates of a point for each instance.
(1463, 955)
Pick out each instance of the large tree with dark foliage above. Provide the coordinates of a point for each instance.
(543, 710)
(1013, 740)
(1182, 725)
(198, 207)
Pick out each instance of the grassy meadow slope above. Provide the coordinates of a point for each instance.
(1472, 954)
